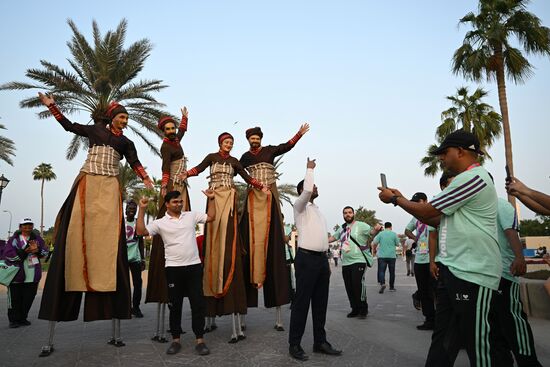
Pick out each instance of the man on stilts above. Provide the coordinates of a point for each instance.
(90, 254)
(173, 164)
(262, 225)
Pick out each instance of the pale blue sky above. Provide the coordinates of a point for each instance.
(369, 76)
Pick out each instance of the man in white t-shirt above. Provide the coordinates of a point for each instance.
(182, 261)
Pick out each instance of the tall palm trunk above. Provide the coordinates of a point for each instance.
(503, 102)
(42, 208)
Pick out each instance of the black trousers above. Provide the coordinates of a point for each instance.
(186, 281)
(461, 320)
(135, 269)
(353, 280)
(21, 297)
(426, 288)
(312, 283)
(515, 332)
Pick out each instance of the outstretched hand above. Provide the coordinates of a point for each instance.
(184, 112)
(303, 129)
(143, 202)
(46, 99)
(209, 193)
(386, 194)
(515, 187)
(311, 163)
(148, 183)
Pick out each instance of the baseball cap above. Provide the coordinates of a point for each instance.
(459, 139)
(26, 221)
(419, 196)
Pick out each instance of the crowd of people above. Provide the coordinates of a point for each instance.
(462, 247)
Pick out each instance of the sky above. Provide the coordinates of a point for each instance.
(370, 77)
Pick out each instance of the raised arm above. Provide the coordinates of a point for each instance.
(141, 230)
(534, 200)
(182, 129)
(424, 212)
(285, 147)
(78, 129)
(211, 214)
(305, 195)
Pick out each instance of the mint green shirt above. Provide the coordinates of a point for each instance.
(468, 243)
(422, 255)
(386, 241)
(507, 219)
(351, 254)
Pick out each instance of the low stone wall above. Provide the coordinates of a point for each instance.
(536, 302)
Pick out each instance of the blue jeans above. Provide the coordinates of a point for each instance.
(382, 264)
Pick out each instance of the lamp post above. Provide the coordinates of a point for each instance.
(3, 183)
(9, 228)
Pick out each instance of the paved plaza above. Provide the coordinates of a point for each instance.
(387, 337)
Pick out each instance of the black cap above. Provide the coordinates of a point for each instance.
(459, 139)
(419, 196)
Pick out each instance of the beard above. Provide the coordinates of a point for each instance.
(254, 145)
(350, 220)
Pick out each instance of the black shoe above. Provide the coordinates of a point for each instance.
(297, 352)
(352, 314)
(363, 316)
(416, 301)
(14, 324)
(426, 326)
(382, 287)
(392, 289)
(137, 313)
(412, 274)
(174, 348)
(202, 349)
(408, 273)
(24, 323)
(279, 328)
(326, 348)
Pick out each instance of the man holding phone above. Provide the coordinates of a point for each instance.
(470, 270)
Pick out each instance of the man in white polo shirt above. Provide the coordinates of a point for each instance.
(183, 264)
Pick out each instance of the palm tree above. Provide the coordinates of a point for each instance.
(129, 181)
(99, 73)
(286, 191)
(7, 148)
(469, 113)
(487, 50)
(43, 172)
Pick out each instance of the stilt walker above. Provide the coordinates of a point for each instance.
(173, 164)
(90, 254)
(223, 281)
(262, 225)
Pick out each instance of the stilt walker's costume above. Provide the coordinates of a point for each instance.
(223, 281)
(173, 164)
(90, 254)
(262, 227)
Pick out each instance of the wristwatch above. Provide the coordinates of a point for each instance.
(394, 199)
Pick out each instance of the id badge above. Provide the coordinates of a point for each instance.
(33, 260)
(345, 247)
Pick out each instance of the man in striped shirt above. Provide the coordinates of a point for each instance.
(466, 212)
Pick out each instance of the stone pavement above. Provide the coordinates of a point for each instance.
(387, 337)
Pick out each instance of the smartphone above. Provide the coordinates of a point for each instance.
(383, 180)
(508, 174)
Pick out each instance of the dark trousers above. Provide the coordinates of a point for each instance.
(384, 262)
(353, 280)
(426, 288)
(515, 332)
(21, 298)
(409, 259)
(461, 320)
(186, 281)
(312, 284)
(135, 269)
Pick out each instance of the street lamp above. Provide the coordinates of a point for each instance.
(3, 183)
(9, 228)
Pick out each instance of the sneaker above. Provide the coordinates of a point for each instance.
(382, 287)
(392, 289)
(174, 348)
(202, 349)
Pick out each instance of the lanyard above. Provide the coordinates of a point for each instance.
(473, 166)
